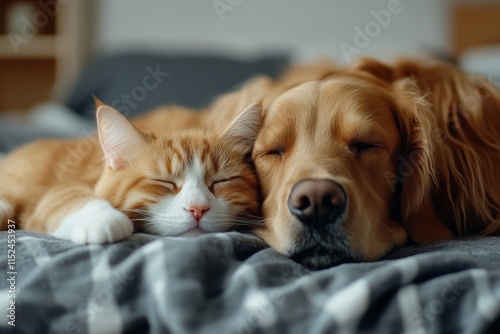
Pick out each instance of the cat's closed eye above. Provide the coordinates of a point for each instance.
(220, 182)
(167, 183)
(226, 180)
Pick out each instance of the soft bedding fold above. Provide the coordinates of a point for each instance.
(232, 283)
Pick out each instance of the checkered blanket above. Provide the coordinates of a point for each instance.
(232, 283)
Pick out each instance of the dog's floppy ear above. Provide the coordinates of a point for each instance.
(415, 164)
(374, 67)
(416, 172)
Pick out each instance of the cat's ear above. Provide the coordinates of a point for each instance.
(119, 138)
(244, 129)
(98, 103)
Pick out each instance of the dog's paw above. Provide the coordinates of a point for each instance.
(96, 223)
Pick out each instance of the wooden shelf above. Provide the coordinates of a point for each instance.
(42, 46)
(25, 82)
(39, 69)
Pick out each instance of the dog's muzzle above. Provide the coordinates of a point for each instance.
(317, 202)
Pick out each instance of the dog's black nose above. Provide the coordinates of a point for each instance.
(317, 201)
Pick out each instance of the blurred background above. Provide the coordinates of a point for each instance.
(135, 55)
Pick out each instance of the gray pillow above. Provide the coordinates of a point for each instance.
(134, 83)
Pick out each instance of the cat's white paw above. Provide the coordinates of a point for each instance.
(6, 211)
(96, 223)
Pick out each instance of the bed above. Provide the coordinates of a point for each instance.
(232, 283)
(227, 282)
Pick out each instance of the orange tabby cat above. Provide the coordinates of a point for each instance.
(181, 183)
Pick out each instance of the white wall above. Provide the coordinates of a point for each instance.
(253, 26)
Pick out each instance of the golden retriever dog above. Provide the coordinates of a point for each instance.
(357, 161)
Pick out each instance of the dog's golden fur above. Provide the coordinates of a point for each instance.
(456, 140)
(416, 145)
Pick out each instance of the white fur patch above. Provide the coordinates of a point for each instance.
(195, 191)
(6, 210)
(96, 223)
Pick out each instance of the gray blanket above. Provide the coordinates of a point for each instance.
(231, 283)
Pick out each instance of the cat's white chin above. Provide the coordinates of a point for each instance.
(193, 232)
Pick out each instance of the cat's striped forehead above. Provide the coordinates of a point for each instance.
(180, 152)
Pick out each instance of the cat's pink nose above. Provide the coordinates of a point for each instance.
(198, 211)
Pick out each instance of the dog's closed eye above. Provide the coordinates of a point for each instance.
(277, 152)
(359, 147)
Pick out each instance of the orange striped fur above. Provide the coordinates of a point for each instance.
(64, 187)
